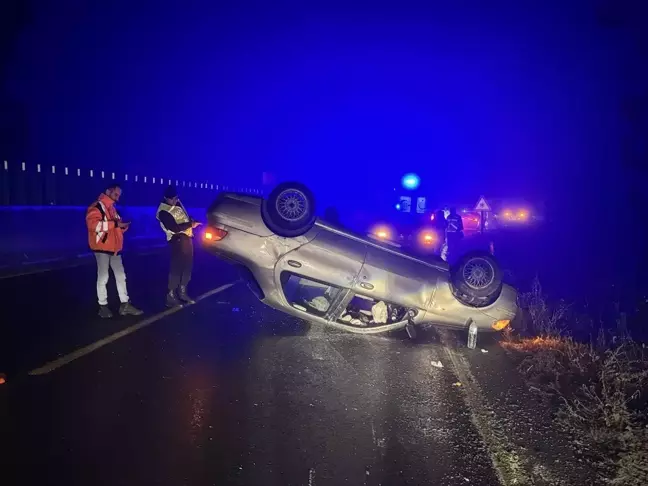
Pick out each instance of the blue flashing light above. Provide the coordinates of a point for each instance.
(411, 181)
(398, 207)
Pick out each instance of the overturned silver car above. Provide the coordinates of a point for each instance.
(314, 270)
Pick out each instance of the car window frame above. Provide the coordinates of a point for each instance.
(332, 311)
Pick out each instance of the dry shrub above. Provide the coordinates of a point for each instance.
(633, 466)
(538, 317)
(601, 388)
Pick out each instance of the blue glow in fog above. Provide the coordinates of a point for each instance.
(411, 181)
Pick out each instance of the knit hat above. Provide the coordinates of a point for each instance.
(170, 192)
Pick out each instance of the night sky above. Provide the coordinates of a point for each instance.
(522, 99)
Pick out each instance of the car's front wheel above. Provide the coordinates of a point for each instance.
(477, 279)
(289, 210)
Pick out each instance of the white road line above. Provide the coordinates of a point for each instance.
(68, 358)
(512, 466)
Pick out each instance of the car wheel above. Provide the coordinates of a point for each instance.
(477, 279)
(289, 210)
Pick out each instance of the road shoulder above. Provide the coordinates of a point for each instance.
(526, 445)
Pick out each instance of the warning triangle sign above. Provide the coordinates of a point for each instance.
(482, 205)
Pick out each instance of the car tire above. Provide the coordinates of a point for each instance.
(289, 210)
(477, 279)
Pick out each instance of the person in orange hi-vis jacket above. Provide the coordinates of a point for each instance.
(106, 239)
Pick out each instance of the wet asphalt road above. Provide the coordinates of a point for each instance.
(212, 395)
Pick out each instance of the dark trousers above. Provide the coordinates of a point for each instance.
(454, 242)
(181, 261)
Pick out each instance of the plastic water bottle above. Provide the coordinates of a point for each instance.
(472, 336)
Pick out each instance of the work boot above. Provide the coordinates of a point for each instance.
(182, 294)
(129, 309)
(104, 312)
(172, 300)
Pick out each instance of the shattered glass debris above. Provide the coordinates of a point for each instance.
(320, 304)
(316, 298)
(363, 311)
(308, 295)
(380, 313)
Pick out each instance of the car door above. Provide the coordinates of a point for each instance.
(316, 277)
(398, 279)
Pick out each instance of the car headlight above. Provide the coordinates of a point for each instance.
(426, 237)
(501, 324)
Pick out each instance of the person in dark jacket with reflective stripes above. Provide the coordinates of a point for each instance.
(455, 230)
(439, 226)
(178, 227)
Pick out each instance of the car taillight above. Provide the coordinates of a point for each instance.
(214, 234)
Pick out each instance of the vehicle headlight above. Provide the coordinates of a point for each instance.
(382, 231)
(501, 324)
(426, 237)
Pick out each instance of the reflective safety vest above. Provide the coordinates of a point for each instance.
(179, 215)
(104, 236)
(454, 223)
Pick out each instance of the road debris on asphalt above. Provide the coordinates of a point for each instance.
(437, 364)
(484, 350)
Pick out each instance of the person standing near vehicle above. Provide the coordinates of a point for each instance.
(106, 239)
(178, 227)
(455, 230)
(440, 226)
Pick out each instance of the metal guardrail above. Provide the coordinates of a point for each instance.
(31, 184)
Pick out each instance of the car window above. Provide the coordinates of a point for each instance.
(365, 311)
(308, 295)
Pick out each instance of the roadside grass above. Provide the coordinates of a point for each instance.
(598, 389)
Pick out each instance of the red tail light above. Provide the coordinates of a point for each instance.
(214, 234)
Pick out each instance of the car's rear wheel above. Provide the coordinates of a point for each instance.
(289, 210)
(477, 279)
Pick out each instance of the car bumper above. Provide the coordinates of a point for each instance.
(445, 310)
